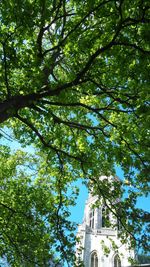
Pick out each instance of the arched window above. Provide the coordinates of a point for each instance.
(105, 217)
(94, 260)
(91, 219)
(117, 261)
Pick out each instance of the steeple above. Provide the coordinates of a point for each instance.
(99, 244)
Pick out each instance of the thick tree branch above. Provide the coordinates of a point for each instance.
(9, 108)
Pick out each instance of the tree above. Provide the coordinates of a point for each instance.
(74, 84)
(34, 217)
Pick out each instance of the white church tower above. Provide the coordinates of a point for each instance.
(99, 245)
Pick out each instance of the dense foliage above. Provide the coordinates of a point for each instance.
(34, 215)
(73, 85)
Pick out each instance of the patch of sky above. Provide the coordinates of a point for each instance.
(93, 119)
(3, 262)
(72, 115)
(7, 138)
(142, 202)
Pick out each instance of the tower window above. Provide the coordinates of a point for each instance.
(94, 260)
(119, 225)
(117, 261)
(91, 219)
(105, 217)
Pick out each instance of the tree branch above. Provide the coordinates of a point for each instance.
(120, 43)
(48, 145)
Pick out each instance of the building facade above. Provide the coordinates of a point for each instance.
(99, 245)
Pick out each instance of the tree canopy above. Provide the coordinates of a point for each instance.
(75, 86)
